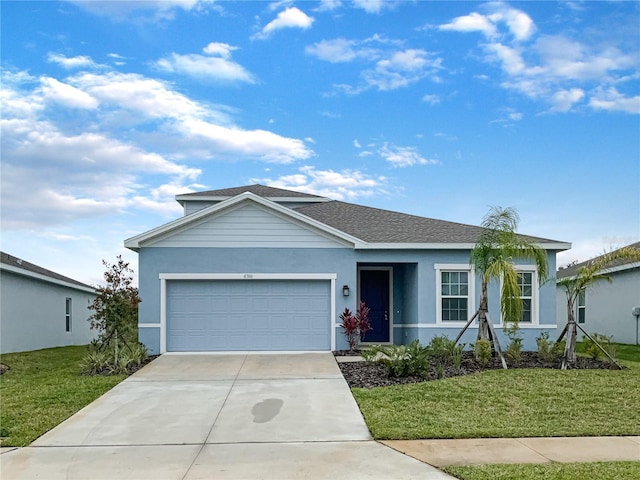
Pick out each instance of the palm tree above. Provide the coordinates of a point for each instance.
(591, 272)
(493, 255)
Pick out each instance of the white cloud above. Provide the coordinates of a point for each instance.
(219, 49)
(404, 156)
(292, 17)
(564, 100)
(339, 185)
(71, 62)
(356, 143)
(374, 6)
(66, 95)
(474, 22)
(431, 99)
(612, 100)
(90, 164)
(518, 23)
(149, 10)
(328, 5)
(207, 68)
(556, 69)
(335, 51)
(401, 69)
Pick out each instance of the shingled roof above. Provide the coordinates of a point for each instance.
(18, 263)
(257, 189)
(573, 269)
(375, 225)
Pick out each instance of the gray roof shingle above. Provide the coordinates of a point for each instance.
(257, 189)
(7, 259)
(375, 225)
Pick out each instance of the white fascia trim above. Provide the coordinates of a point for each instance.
(134, 242)
(38, 276)
(247, 277)
(444, 246)
(461, 324)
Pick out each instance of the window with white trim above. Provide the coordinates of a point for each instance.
(67, 315)
(528, 283)
(582, 306)
(525, 281)
(454, 293)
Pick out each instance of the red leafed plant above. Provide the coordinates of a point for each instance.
(355, 326)
(362, 318)
(350, 326)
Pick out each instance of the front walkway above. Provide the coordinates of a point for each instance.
(478, 451)
(188, 417)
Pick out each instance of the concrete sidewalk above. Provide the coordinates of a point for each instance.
(478, 451)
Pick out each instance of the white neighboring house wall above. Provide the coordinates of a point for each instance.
(35, 312)
(608, 305)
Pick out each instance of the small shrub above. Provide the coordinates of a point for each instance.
(104, 362)
(514, 351)
(482, 351)
(439, 371)
(605, 342)
(440, 346)
(400, 360)
(545, 347)
(456, 354)
(96, 362)
(558, 348)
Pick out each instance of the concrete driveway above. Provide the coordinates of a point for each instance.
(218, 417)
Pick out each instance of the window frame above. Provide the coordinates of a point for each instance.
(68, 309)
(535, 295)
(471, 293)
(581, 304)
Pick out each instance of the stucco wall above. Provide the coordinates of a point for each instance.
(608, 306)
(414, 283)
(32, 314)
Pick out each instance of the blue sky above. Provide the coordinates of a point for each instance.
(438, 109)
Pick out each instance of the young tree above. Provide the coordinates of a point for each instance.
(116, 307)
(493, 255)
(591, 272)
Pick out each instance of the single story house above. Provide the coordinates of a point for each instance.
(610, 308)
(40, 308)
(262, 268)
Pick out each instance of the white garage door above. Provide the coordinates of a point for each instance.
(223, 315)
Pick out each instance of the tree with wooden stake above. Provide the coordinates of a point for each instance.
(591, 272)
(492, 256)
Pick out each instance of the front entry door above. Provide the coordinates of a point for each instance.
(374, 292)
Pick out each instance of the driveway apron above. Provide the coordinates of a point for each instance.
(218, 416)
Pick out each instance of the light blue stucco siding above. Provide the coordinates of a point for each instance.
(158, 260)
(414, 284)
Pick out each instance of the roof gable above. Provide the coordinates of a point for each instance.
(202, 220)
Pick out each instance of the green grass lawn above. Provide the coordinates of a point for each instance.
(549, 471)
(43, 388)
(509, 403)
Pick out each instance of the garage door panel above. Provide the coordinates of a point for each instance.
(207, 315)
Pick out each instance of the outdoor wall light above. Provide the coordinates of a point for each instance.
(345, 290)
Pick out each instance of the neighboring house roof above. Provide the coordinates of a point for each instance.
(17, 265)
(616, 265)
(364, 227)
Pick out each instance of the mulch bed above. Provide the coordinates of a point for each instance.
(371, 375)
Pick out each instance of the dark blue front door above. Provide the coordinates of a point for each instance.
(374, 291)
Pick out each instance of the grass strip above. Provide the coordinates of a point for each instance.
(549, 471)
(43, 388)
